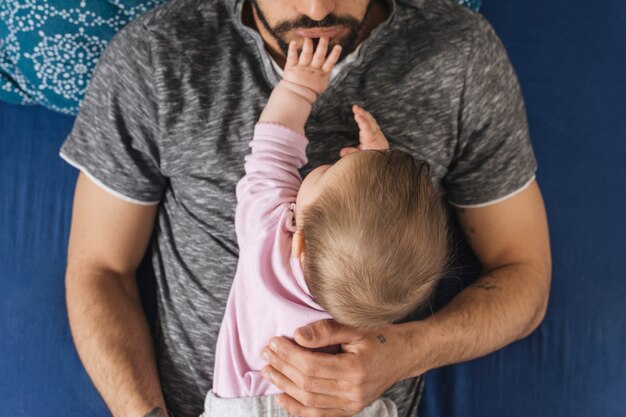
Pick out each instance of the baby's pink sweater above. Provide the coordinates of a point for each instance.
(269, 296)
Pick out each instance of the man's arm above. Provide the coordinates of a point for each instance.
(506, 304)
(510, 298)
(108, 238)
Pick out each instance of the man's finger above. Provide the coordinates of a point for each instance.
(324, 333)
(307, 399)
(296, 408)
(311, 364)
(305, 382)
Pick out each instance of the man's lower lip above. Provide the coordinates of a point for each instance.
(318, 33)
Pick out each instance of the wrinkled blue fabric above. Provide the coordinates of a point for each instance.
(571, 65)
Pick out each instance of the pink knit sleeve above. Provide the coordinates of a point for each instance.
(272, 179)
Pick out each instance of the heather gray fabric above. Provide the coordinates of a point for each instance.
(265, 406)
(171, 108)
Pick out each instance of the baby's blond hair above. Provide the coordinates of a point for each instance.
(376, 240)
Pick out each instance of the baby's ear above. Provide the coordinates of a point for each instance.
(297, 245)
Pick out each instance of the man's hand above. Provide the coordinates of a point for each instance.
(326, 385)
(370, 135)
(312, 69)
(505, 304)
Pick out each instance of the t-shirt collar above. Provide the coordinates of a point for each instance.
(351, 57)
(272, 70)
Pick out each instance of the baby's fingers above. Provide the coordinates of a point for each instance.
(370, 135)
(307, 52)
(332, 59)
(370, 122)
(292, 54)
(320, 53)
(368, 128)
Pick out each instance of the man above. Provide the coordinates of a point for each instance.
(160, 142)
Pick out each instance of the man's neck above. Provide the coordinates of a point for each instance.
(379, 13)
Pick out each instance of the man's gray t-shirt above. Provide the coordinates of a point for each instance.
(170, 112)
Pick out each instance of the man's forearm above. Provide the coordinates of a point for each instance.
(113, 341)
(502, 306)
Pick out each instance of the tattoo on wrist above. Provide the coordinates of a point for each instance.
(156, 412)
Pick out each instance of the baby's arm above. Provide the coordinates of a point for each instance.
(305, 78)
(278, 148)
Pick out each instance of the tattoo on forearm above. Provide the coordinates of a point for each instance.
(469, 231)
(382, 338)
(157, 412)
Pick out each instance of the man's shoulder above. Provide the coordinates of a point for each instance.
(180, 20)
(445, 20)
(438, 11)
(180, 34)
(189, 15)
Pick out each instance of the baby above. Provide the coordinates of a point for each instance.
(363, 241)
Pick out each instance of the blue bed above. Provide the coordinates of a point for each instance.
(571, 61)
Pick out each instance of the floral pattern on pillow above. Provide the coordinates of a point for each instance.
(49, 49)
(472, 4)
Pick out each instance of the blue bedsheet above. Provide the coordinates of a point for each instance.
(571, 61)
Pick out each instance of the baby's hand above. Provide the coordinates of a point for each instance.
(311, 70)
(370, 135)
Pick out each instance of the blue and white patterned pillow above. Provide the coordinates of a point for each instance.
(49, 48)
(471, 4)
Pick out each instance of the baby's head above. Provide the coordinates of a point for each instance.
(372, 236)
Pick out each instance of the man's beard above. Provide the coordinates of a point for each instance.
(348, 43)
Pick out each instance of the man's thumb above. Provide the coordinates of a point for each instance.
(324, 333)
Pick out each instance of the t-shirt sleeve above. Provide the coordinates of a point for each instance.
(114, 140)
(272, 179)
(493, 158)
